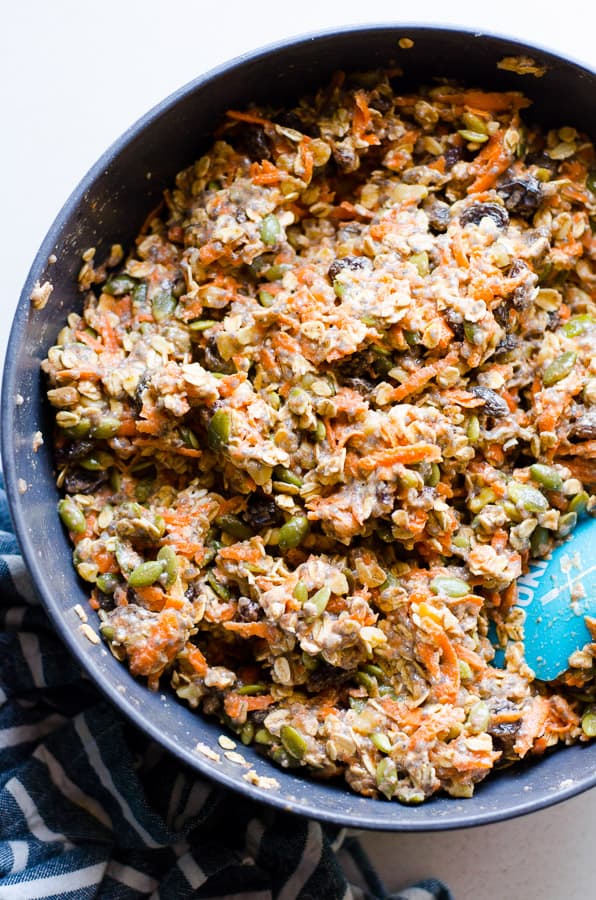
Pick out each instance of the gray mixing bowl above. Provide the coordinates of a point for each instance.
(109, 205)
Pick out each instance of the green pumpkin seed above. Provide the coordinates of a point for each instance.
(589, 722)
(189, 437)
(526, 496)
(262, 736)
(234, 526)
(539, 542)
(97, 462)
(375, 671)
(309, 662)
(434, 475)
(465, 672)
(163, 304)
(107, 583)
(167, 556)
(546, 476)
(474, 137)
(287, 476)
(301, 592)
(473, 332)
(72, 517)
(265, 299)
(139, 295)
(368, 682)
(474, 123)
(567, 523)
(118, 285)
(320, 600)
(386, 777)
(579, 504)
(199, 325)
(339, 288)
(108, 631)
(270, 230)
(421, 262)
(452, 587)
(274, 273)
(320, 432)
(576, 325)
(80, 430)
(412, 337)
(106, 428)
(461, 541)
(146, 574)
(219, 589)
(247, 733)
(294, 743)
(409, 480)
(293, 533)
(219, 430)
(478, 717)
(559, 368)
(381, 742)
(249, 690)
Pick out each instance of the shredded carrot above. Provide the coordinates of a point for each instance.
(486, 101)
(490, 162)
(422, 376)
(407, 455)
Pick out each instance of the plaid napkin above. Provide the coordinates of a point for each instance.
(90, 808)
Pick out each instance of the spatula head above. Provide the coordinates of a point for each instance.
(556, 595)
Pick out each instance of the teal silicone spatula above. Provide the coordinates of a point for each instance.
(556, 594)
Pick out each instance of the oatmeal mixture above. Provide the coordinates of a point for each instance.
(314, 425)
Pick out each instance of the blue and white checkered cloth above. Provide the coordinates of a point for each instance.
(90, 808)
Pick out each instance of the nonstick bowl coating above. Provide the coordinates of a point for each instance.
(108, 206)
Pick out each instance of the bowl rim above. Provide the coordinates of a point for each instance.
(65, 631)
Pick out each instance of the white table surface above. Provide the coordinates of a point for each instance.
(73, 76)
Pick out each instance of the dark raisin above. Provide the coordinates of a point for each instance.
(291, 119)
(509, 342)
(251, 141)
(501, 314)
(213, 362)
(438, 213)
(353, 263)
(191, 592)
(106, 601)
(451, 156)
(327, 676)
(346, 157)
(361, 385)
(542, 159)
(248, 610)
(521, 195)
(493, 404)
(474, 214)
(584, 428)
(74, 451)
(367, 364)
(521, 297)
(456, 323)
(504, 733)
(262, 512)
(140, 389)
(79, 481)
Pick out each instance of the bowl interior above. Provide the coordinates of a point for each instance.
(110, 205)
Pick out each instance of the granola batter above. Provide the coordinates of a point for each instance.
(314, 425)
